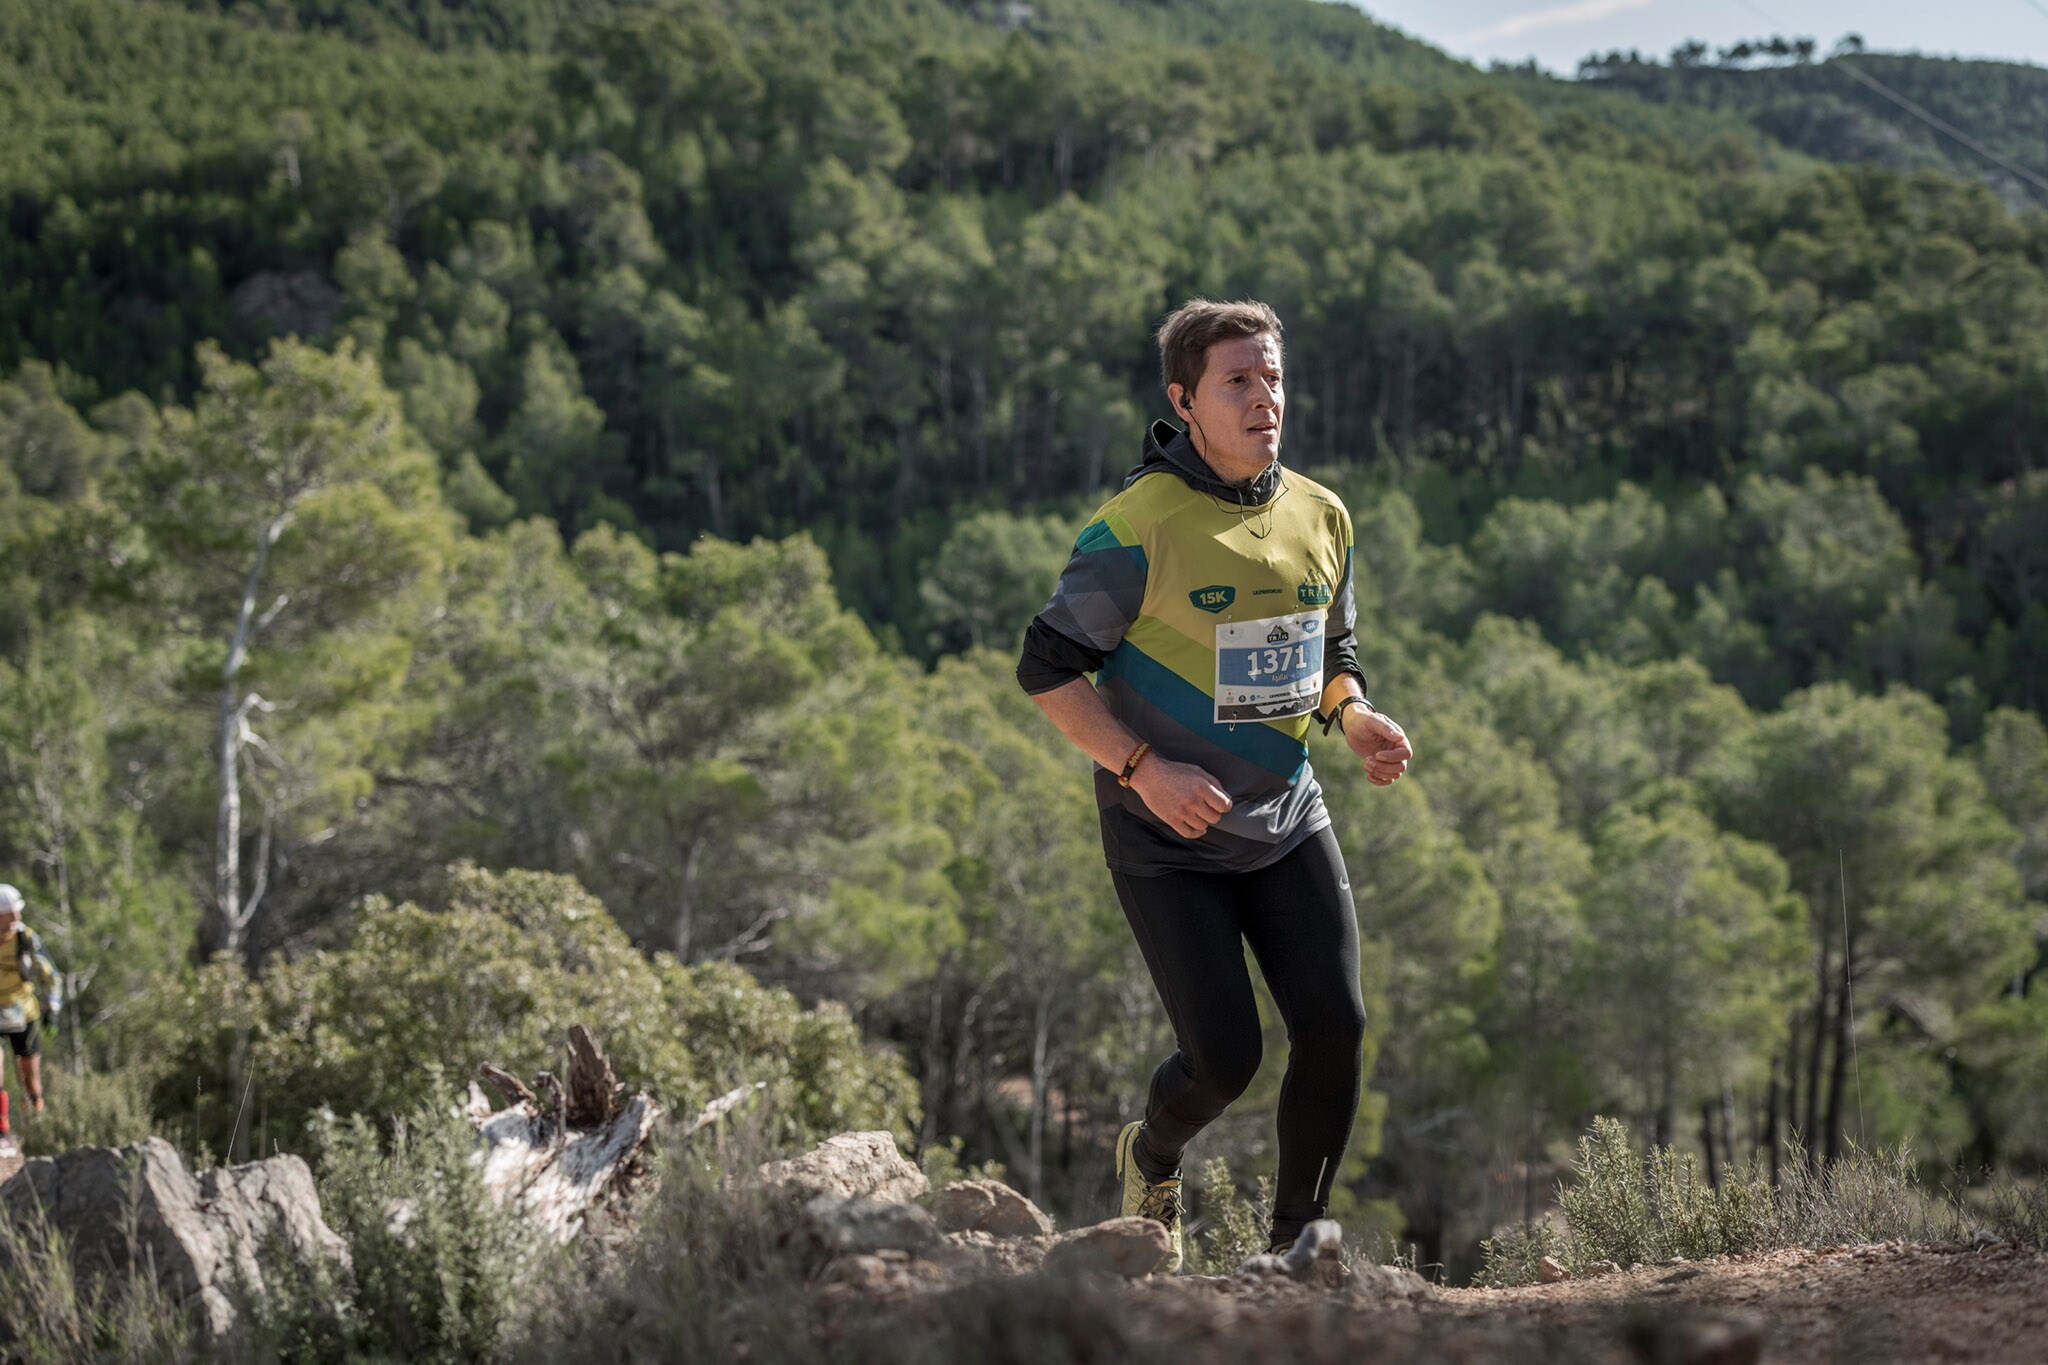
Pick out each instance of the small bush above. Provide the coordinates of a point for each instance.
(1864, 1197)
(92, 1109)
(1608, 1209)
(497, 976)
(2014, 1211)
(1632, 1207)
(437, 1264)
(1512, 1255)
(1231, 1228)
(303, 1313)
(942, 1165)
(706, 1276)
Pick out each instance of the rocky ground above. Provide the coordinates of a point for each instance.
(898, 1271)
(982, 1252)
(1889, 1302)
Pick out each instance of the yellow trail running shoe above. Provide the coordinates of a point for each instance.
(1157, 1200)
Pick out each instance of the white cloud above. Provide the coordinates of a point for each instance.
(1584, 12)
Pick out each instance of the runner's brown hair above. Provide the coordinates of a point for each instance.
(1191, 329)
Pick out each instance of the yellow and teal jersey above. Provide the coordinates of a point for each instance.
(27, 976)
(1219, 622)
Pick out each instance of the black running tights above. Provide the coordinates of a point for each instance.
(1297, 916)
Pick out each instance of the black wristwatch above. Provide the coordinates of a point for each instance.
(1338, 710)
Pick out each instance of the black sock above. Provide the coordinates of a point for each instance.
(1285, 1231)
(1150, 1164)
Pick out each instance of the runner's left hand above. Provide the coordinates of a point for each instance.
(1381, 743)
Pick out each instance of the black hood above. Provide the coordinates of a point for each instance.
(1168, 450)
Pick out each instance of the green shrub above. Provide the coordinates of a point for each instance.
(1864, 1197)
(498, 975)
(1230, 1228)
(90, 1109)
(303, 1312)
(707, 1275)
(942, 1165)
(438, 1267)
(1512, 1255)
(1608, 1209)
(1631, 1207)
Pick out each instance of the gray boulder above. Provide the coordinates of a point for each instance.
(868, 1226)
(202, 1235)
(849, 1166)
(987, 1206)
(1125, 1247)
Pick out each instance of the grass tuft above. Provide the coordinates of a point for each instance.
(1632, 1207)
(58, 1316)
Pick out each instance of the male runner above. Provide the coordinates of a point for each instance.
(1212, 600)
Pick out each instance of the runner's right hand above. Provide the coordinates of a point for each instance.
(1181, 794)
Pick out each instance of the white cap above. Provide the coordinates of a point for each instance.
(10, 900)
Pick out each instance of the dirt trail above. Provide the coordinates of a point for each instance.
(1890, 1302)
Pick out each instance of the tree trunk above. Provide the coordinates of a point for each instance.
(686, 899)
(1516, 375)
(1329, 423)
(1728, 1123)
(1845, 1021)
(1707, 1143)
(228, 725)
(977, 387)
(1771, 1118)
(906, 474)
(1814, 1054)
(227, 820)
(1409, 367)
(1041, 1035)
(934, 1057)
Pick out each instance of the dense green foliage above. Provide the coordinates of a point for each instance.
(692, 403)
(1821, 109)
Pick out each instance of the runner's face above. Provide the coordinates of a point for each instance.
(1237, 406)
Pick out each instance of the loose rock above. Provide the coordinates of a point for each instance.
(1389, 1284)
(864, 1274)
(1317, 1256)
(1128, 1247)
(991, 1207)
(980, 1254)
(1550, 1272)
(1733, 1339)
(868, 1226)
(850, 1166)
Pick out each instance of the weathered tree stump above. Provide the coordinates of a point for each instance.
(555, 1155)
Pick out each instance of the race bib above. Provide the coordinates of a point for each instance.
(1270, 669)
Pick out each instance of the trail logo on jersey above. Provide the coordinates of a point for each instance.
(1213, 598)
(1314, 594)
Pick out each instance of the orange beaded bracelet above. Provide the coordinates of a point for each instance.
(1131, 764)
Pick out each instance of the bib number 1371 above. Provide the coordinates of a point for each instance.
(1269, 669)
(1287, 661)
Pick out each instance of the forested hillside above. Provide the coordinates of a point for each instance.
(1904, 112)
(627, 441)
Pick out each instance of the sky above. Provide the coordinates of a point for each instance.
(1557, 33)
